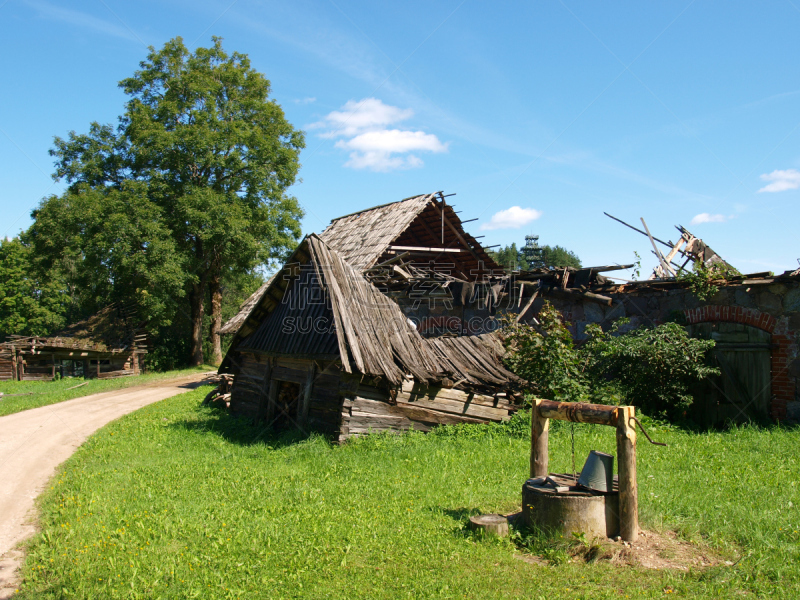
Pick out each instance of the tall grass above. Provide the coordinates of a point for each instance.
(22, 395)
(178, 501)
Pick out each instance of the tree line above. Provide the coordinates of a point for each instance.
(175, 209)
(514, 259)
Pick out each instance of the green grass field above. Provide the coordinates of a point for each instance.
(178, 501)
(32, 394)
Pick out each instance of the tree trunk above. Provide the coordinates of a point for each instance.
(216, 316)
(198, 311)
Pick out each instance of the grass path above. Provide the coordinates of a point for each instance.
(22, 395)
(177, 501)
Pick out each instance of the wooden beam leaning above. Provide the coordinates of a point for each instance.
(664, 265)
(540, 427)
(572, 292)
(626, 465)
(527, 306)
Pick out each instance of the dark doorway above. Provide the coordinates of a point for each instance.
(286, 409)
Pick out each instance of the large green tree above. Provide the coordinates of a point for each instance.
(207, 158)
(558, 256)
(30, 303)
(110, 244)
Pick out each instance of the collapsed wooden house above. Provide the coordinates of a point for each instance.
(107, 344)
(328, 344)
(416, 254)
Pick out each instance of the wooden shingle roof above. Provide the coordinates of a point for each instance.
(427, 221)
(361, 238)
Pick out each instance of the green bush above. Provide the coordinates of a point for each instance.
(652, 368)
(546, 356)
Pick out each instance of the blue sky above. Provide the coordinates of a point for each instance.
(538, 115)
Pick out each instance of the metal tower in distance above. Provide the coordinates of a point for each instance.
(533, 253)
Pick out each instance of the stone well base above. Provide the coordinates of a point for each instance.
(574, 511)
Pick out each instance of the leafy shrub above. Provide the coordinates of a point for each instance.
(546, 356)
(652, 368)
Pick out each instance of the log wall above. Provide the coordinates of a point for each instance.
(249, 386)
(257, 372)
(345, 405)
(44, 365)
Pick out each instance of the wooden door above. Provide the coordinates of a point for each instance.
(743, 390)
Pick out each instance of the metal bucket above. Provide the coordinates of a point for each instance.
(598, 472)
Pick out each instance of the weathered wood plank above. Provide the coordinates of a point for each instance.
(539, 442)
(305, 402)
(454, 407)
(434, 393)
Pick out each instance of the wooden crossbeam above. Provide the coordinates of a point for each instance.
(423, 249)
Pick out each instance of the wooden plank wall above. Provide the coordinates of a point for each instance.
(7, 365)
(37, 367)
(249, 386)
(326, 404)
(371, 409)
(6, 370)
(249, 394)
(40, 366)
(120, 365)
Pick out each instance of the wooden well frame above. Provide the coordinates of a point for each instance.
(620, 417)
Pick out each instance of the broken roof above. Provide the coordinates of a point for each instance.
(365, 330)
(424, 222)
(361, 238)
(366, 237)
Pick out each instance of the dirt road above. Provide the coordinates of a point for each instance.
(34, 442)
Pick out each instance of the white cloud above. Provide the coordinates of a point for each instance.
(359, 116)
(382, 162)
(708, 218)
(393, 140)
(512, 218)
(364, 127)
(309, 100)
(781, 180)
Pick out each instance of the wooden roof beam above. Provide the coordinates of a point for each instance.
(423, 249)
